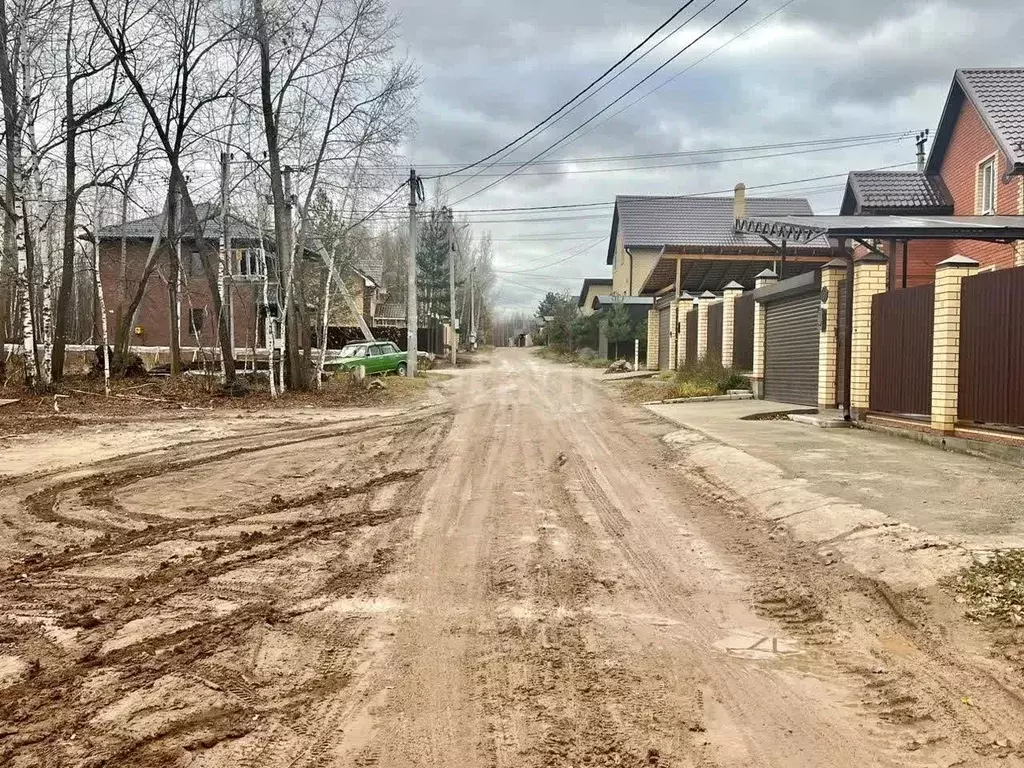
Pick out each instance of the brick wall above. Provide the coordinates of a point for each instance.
(970, 144)
(154, 313)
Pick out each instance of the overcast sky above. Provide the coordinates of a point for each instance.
(818, 69)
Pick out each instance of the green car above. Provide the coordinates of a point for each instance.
(376, 357)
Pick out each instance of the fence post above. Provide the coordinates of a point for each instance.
(653, 332)
(828, 342)
(949, 275)
(763, 278)
(732, 292)
(683, 306)
(703, 304)
(869, 278)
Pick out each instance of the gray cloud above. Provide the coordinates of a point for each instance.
(820, 68)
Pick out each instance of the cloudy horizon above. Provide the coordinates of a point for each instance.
(815, 70)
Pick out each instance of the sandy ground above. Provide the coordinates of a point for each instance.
(523, 573)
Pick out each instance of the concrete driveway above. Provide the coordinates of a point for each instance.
(976, 502)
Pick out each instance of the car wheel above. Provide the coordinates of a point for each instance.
(401, 369)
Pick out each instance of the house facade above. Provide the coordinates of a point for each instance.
(975, 168)
(662, 245)
(593, 287)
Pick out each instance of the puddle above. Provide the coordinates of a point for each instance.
(754, 645)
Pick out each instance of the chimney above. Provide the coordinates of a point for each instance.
(739, 203)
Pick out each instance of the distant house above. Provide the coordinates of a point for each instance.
(975, 168)
(390, 313)
(657, 241)
(593, 287)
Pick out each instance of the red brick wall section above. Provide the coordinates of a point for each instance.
(970, 144)
(154, 316)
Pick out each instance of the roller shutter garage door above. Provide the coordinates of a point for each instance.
(664, 336)
(791, 349)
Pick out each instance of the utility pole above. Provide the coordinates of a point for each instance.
(472, 311)
(451, 284)
(411, 318)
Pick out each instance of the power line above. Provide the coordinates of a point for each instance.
(614, 102)
(604, 74)
(679, 74)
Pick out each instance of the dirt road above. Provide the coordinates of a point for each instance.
(524, 574)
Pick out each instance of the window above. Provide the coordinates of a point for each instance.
(195, 322)
(248, 262)
(195, 264)
(987, 187)
(377, 349)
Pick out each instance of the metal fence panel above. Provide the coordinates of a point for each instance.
(743, 334)
(901, 350)
(691, 336)
(715, 316)
(992, 348)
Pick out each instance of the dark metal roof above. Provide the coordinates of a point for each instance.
(998, 95)
(896, 191)
(805, 228)
(612, 300)
(686, 221)
(587, 283)
(209, 219)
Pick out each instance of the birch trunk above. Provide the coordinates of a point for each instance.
(104, 337)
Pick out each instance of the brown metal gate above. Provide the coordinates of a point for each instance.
(901, 350)
(715, 314)
(691, 336)
(743, 334)
(664, 337)
(791, 349)
(992, 348)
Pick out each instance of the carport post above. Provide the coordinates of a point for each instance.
(765, 277)
(732, 292)
(869, 278)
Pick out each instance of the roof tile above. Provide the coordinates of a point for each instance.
(901, 189)
(1000, 94)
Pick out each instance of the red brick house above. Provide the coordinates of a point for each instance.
(975, 167)
(121, 274)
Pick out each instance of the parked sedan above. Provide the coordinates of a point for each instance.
(375, 357)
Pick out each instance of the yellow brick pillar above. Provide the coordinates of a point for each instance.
(949, 276)
(683, 307)
(703, 304)
(763, 280)
(869, 278)
(673, 346)
(652, 339)
(828, 340)
(732, 292)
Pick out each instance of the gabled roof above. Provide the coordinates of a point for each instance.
(209, 219)
(589, 282)
(998, 95)
(701, 223)
(895, 191)
(391, 309)
(371, 265)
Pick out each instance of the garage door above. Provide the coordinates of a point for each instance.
(664, 336)
(791, 349)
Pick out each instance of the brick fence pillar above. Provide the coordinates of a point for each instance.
(869, 278)
(949, 277)
(703, 304)
(828, 342)
(764, 278)
(673, 335)
(652, 339)
(732, 292)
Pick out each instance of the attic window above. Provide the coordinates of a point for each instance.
(987, 187)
